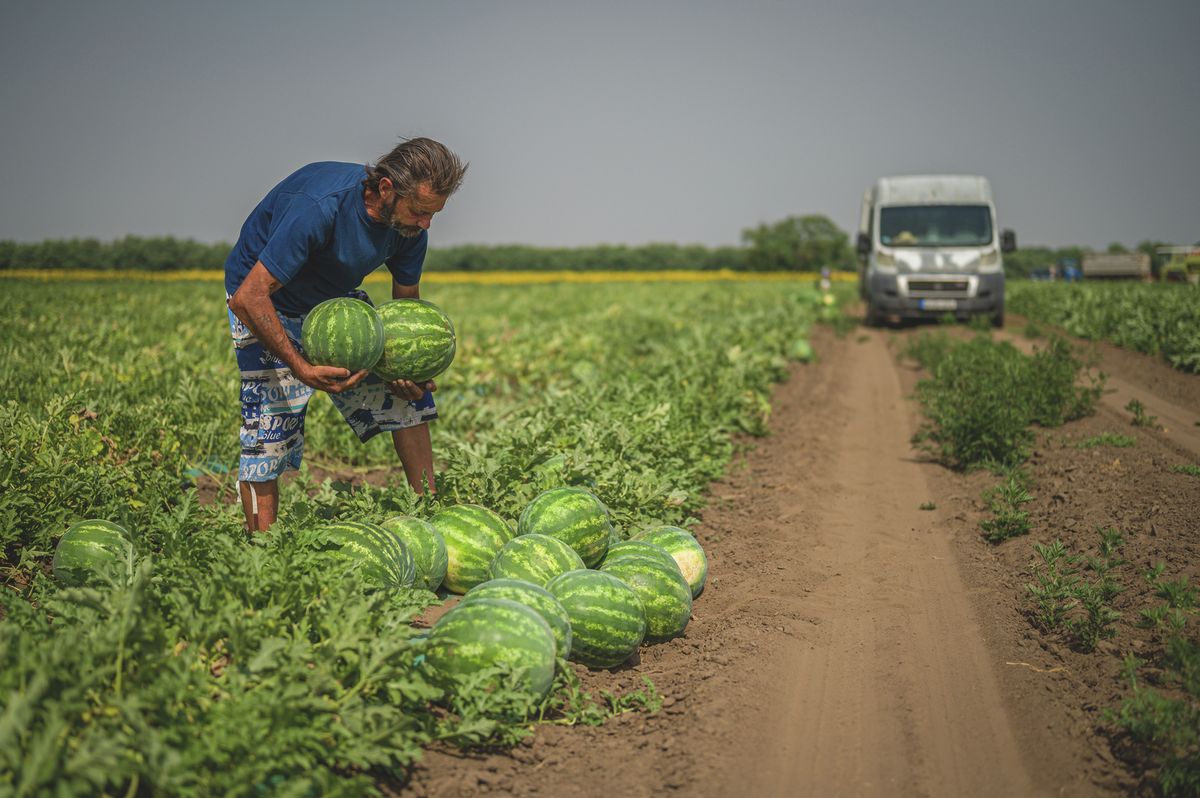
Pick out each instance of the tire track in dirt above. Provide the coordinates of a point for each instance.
(896, 696)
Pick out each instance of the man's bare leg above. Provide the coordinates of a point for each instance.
(416, 455)
(260, 502)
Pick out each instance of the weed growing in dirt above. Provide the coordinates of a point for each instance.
(983, 397)
(1005, 501)
(927, 506)
(1033, 330)
(1066, 599)
(1140, 418)
(1191, 470)
(1106, 439)
(1165, 718)
(570, 704)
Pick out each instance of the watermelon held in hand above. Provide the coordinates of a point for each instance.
(418, 341)
(386, 561)
(91, 551)
(472, 534)
(425, 544)
(534, 558)
(685, 549)
(345, 332)
(534, 597)
(484, 633)
(608, 622)
(665, 595)
(573, 515)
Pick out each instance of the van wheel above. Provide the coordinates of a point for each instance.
(998, 319)
(874, 317)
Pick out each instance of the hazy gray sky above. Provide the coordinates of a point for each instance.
(589, 122)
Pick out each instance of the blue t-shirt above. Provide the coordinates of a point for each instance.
(313, 234)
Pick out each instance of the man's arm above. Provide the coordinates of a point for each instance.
(252, 304)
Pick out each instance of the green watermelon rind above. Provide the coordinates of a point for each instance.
(91, 549)
(666, 596)
(425, 544)
(418, 341)
(343, 331)
(638, 548)
(608, 622)
(473, 535)
(536, 598)
(685, 549)
(385, 561)
(486, 632)
(575, 516)
(534, 558)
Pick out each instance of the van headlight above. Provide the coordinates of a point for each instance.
(989, 261)
(885, 259)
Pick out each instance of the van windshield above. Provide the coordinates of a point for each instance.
(935, 226)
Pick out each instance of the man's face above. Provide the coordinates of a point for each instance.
(408, 215)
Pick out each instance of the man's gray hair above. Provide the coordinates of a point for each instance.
(417, 161)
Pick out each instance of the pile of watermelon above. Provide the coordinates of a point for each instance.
(562, 585)
(404, 339)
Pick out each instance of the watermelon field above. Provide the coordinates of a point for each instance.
(714, 536)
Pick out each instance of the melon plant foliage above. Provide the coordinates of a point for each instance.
(228, 665)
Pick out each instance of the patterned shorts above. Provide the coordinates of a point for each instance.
(274, 403)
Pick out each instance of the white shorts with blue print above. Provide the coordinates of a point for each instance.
(274, 403)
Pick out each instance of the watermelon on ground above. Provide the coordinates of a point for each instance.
(608, 622)
(573, 515)
(534, 558)
(687, 551)
(425, 544)
(418, 341)
(638, 548)
(801, 350)
(665, 595)
(472, 534)
(344, 332)
(534, 597)
(488, 632)
(93, 550)
(386, 561)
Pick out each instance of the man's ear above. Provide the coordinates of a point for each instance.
(385, 185)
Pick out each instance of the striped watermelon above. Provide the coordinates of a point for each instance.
(638, 548)
(534, 558)
(687, 551)
(801, 350)
(574, 516)
(487, 632)
(418, 341)
(425, 544)
(665, 594)
(473, 535)
(608, 622)
(386, 561)
(344, 332)
(92, 550)
(534, 597)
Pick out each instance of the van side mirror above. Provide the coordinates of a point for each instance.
(864, 244)
(1008, 241)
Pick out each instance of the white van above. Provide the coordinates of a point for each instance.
(928, 245)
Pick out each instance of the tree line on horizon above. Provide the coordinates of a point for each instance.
(796, 243)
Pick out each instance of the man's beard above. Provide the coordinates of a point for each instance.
(388, 217)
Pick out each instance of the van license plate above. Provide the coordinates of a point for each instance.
(938, 304)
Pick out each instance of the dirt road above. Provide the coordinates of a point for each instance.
(849, 642)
